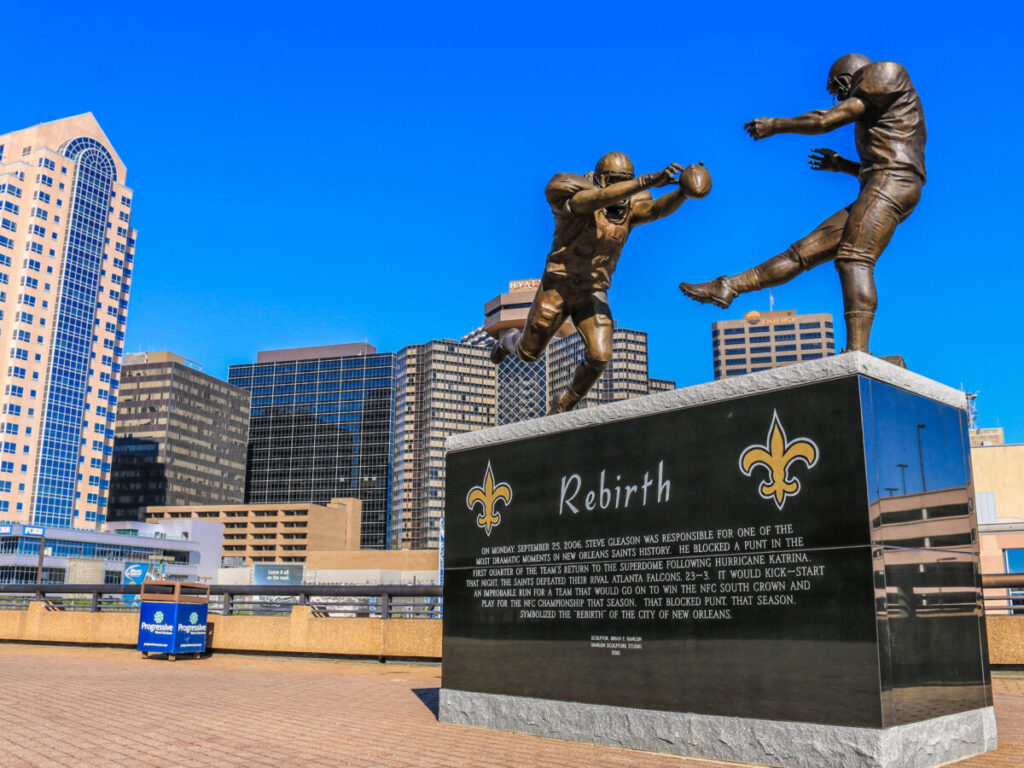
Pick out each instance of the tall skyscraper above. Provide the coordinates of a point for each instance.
(763, 340)
(442, 388)
(66, 253)
(180, 437)
(320, 428)
(624, 378)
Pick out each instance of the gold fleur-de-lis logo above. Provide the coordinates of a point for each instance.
(486, 496)
(777, 455)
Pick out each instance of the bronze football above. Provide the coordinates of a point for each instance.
(695, 180)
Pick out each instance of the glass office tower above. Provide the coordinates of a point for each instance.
(181, 437)
(66, 253)
(320, 428)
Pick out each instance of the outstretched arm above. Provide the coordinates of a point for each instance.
(830, 160)
(590, 200)
(646, 211)
(818, 121)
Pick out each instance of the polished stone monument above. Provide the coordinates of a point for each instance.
(780, 568)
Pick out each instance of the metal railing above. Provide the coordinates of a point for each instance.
(1004, 594)
(324, 601)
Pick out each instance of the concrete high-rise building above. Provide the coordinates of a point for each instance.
(624, 378)
(442, 388)
(276, 533)
(763, 340)
(180, 437)
(526, 389)
(66, 252)
(320, 428)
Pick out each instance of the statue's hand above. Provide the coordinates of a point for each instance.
(663, 177)
(761, 128)
(825, 160)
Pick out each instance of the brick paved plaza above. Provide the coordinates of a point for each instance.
(74, 706)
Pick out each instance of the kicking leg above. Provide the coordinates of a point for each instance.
(819, 246)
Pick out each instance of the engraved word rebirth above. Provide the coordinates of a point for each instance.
(777, 456)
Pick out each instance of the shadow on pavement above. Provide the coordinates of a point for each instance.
(429, 697)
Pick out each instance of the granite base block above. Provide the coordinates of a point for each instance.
(767, 742)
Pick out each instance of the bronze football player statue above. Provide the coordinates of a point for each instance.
(890, 135)
(594, 215)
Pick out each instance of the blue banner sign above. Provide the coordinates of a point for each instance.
(6, 529)
(31, 530)
(134, 573)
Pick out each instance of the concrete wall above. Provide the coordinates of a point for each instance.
(303, 633)
(1005, 639)
(299, 633)
(373, 560)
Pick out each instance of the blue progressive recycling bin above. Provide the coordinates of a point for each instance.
(172, 618)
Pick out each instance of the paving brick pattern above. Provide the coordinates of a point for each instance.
(101, 707)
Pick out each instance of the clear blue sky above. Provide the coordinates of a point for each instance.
(398, 154)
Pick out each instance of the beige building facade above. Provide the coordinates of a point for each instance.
(998, 472)
(442, 388)
(762, 340)
(276, 533)
(66, 256)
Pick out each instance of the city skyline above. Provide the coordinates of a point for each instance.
(370, 108)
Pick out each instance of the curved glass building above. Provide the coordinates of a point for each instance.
(65, 275)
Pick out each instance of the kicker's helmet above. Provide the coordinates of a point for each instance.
(842, 72)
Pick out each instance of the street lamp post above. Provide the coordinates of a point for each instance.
(903, 472)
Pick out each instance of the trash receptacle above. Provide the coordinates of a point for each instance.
(172, 619)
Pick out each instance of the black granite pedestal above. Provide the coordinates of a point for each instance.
(779, 569)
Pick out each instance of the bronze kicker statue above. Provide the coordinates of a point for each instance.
(594, 215)
(890, 135)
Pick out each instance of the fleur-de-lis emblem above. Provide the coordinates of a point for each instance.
(486, 496)
(776, 456)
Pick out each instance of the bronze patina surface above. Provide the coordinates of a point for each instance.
(890, 133)
(594, 215)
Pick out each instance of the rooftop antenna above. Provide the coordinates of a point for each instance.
(972, 410)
